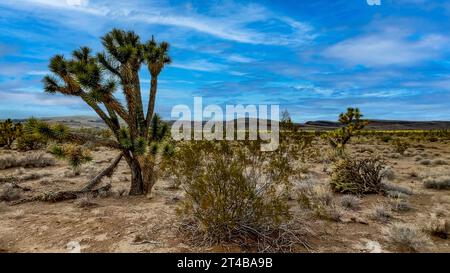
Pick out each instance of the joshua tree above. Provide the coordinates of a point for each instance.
(95, 79)
(352, 123)
(286, 121)
(156, 56)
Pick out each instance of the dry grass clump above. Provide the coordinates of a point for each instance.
(438, 183)
(381, 213)
(85, 201)
(400, 205)
(438, 162)
(389, 173)
(438, 227)
(31, 160)
(407, 235)
(358, 177)
(393, 189)
(10, 193)
(425, 162)
(350, 202)
(319, 199)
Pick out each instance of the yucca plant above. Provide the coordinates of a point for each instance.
(95, 78)
(75, 155)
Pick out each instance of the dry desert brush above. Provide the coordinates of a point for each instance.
(358, 176)
(407, 236)
(233, 198)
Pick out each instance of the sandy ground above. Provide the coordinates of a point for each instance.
(149, 224)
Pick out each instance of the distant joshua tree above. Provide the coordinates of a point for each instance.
(352, 124)
(95, 78)
(286, 121)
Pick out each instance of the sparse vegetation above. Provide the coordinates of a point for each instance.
(10, 193)
(400, 146)
(438, 183)
(439, 227)
(400, 205)
(382, 213)
(350, 202)
(407, 235)
(30, 160)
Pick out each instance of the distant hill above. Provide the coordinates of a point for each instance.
(95, 122)
(383, 125)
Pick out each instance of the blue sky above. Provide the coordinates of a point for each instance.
(314, 58)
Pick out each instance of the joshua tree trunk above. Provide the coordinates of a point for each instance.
(151, 104)
(137, 181)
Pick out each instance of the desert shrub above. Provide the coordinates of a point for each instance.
(30, 160)
(85, 201)
(381, 213)
(391, 188)
(406, 235)
(389, 173)
(233, 196)
(358, 177)
(9, 131)
(350, 202)
(10, 193)
(385, 138)
(438, 162)
(75, 155)
(400, 205)
(34, 135)
(400, 146)
(37, 133)
(438, 183)
(438, 227)
(425, 162)
(319, 199)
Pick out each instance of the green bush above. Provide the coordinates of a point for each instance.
(9, 131)
(232, 194)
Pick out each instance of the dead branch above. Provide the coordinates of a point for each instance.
(106, 172)
(54, 197)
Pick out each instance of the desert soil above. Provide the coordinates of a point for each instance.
(120, 223)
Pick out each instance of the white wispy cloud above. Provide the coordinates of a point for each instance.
(390, 45)
(232, 23)
(200, 65)
(240, 59)
(37, 98)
